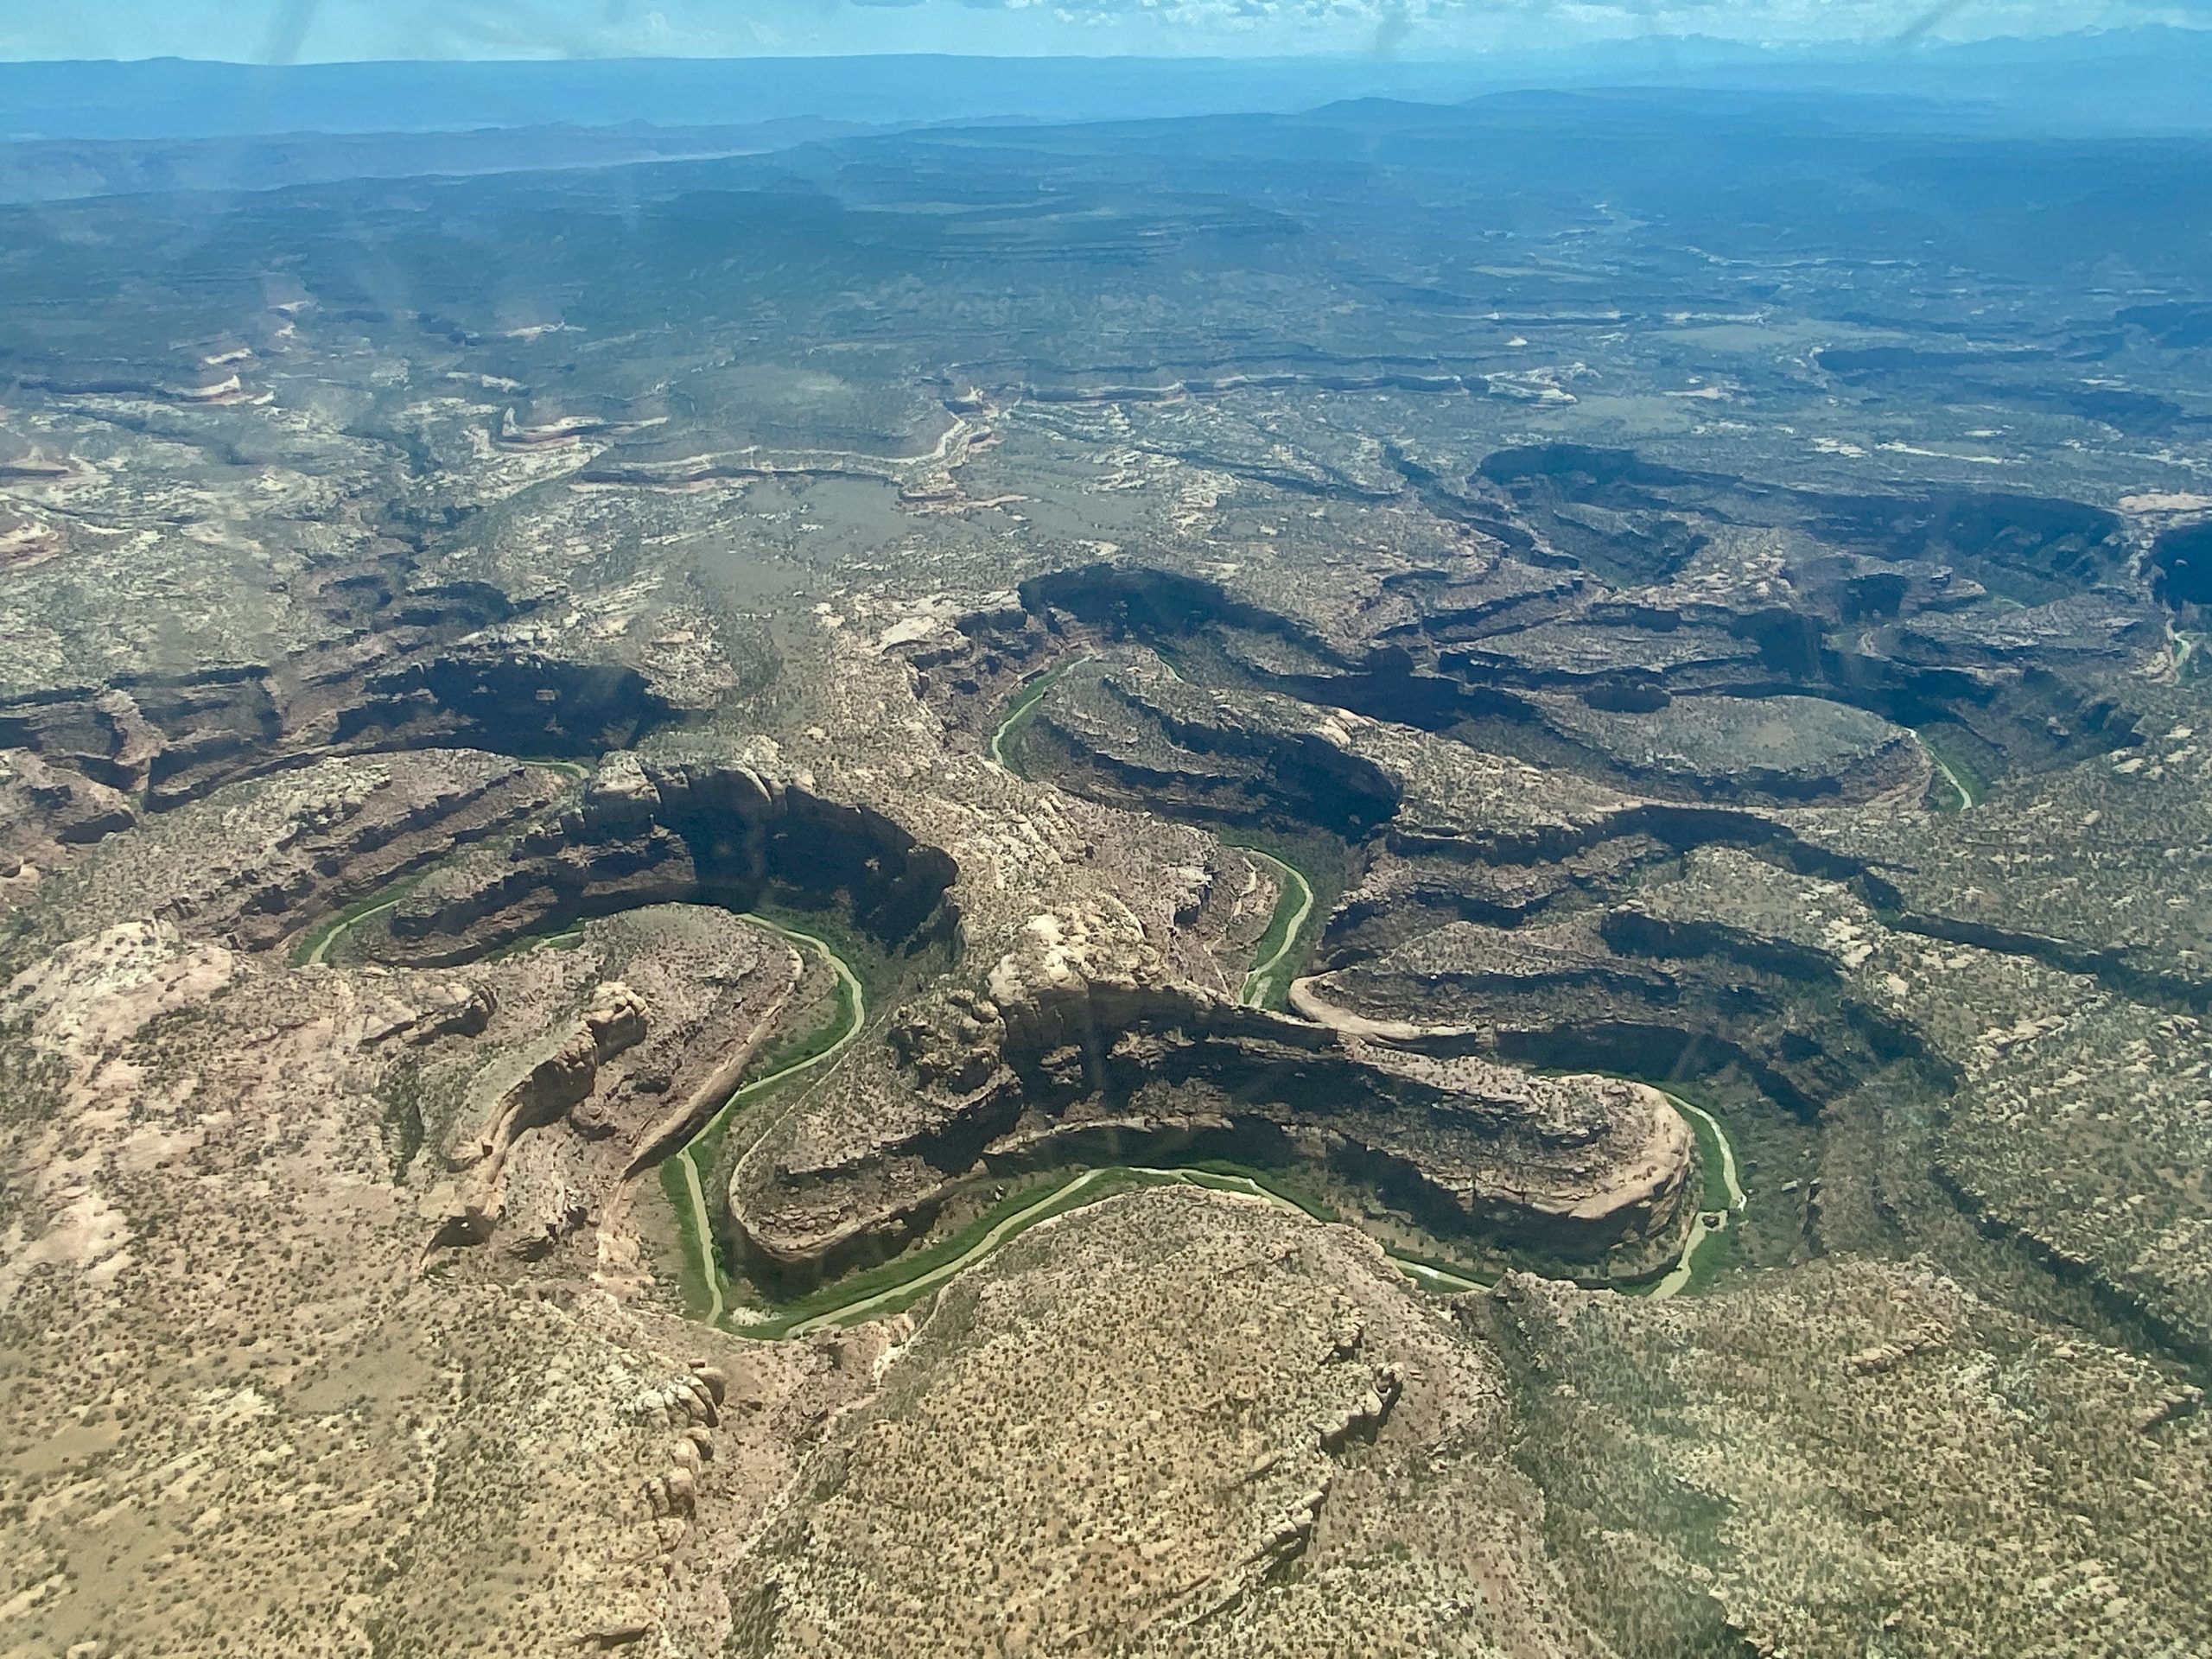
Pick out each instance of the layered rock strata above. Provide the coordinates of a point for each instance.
(1085, 1049)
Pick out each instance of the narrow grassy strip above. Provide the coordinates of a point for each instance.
(881, 1291)
(701, 1281)
(567, 939)
(1722, 1197)
(1268, 1184)
(1677, 1278)
(698, 1279)
(810, 1048)
(805, 1053)
(316, 946)
(1716, 1157)
(1018, 711)
(1957, 776)
(1293, 906)
(1450, 1281)
(566, 768)
(1432, 1272)
(1705, 1262)
(877, 1291)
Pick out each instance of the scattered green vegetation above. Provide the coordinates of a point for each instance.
(566, 938)
(576, 769)
(682, 1174)
(32, 1080)
(402, 1120)
(316, 946)
(693, 1253)
(1268, 985)
(1021, 707)
(1957, 786)
(923, 1270)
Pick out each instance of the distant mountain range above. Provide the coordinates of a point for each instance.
(64, 170)
(2141, 79)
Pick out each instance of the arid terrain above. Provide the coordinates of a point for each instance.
(1415, 880)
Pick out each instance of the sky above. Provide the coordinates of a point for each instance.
(327, 30)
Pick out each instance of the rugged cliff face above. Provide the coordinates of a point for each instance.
(1086, 1049)
(675, 827)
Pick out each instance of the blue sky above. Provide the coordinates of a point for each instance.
(331, 29)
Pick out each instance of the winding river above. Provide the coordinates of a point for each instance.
(1294, 909)
(1298, 897)
(1025, 700)
(852, 1004)
(1967, 799)
(1706, 1226)
(1056, 1200)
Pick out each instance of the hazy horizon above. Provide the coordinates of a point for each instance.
(334, 31)
(2141, 80)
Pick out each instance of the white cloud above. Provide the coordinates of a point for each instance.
(594, 28)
